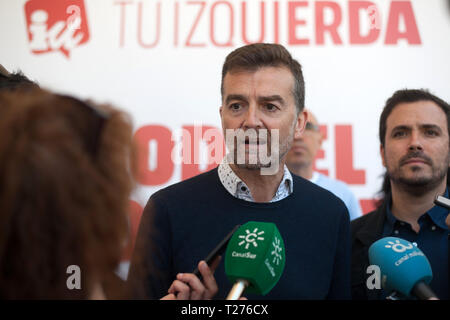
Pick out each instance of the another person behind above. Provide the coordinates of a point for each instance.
(262, 92)
(300, 160)
(414, 146)
(65, 178)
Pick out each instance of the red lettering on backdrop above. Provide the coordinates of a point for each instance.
(175, 26)
(344, 157)
(354, 10)
(293, 22)
(229, 42)
(411, 33)
(192, 136)
(134, 215)
(401, 22)
(367, 205)
(262, 23)
(194, 26)
(164, 163)
(122, 5)
(321, 153)
(276, 19)
(321, 28)
(158, 27)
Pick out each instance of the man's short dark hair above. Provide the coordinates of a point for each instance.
(254, 56)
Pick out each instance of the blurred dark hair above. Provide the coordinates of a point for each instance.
(254, 56)
(13, 81)
(62, 202)
(406, 96)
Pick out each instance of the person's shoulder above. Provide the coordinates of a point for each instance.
(334, 183)
(312, 189)
(317, 196)
(368, 219)
(188, 187)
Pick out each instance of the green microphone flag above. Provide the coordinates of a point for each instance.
(254, 259)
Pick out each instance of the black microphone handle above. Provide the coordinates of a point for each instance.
(423, 291)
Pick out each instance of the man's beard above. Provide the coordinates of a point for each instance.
(269, 153)
(419, 184)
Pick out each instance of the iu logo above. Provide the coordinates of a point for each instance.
(56, 25)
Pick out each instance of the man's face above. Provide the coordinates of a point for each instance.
(416, 150)
(306, 145)
(261, 99)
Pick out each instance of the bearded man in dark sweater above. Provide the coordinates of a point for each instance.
(262, 93)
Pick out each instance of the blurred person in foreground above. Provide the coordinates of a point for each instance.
(13, 81)
(300, 161)
(66, 170)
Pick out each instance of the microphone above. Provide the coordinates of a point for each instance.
(442, 202)
(404, 268)
(255, 259)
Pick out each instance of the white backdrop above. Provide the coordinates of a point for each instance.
(161, 61)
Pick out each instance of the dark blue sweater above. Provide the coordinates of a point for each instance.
(182, 223)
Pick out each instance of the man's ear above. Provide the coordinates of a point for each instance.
(321, 138)
(302, 118)
(382, 155)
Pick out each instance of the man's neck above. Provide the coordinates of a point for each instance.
(262, 187)
(408, 207)
(304, 171)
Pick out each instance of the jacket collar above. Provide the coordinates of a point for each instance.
(372, 229)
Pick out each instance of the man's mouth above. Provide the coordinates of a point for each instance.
(298, 148)
(417, 158)
(415, 161)
(257, 142)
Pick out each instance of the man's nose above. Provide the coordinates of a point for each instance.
(252, 118)
(298, 136)
(415, 142)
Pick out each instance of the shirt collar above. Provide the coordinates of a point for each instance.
(390, 219)
(239, 189)
(436, 213)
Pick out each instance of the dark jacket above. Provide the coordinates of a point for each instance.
(364, 231)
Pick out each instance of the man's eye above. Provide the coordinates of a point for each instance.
(271, 107)
(431, 133)
(235, 106)
(399, 134)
